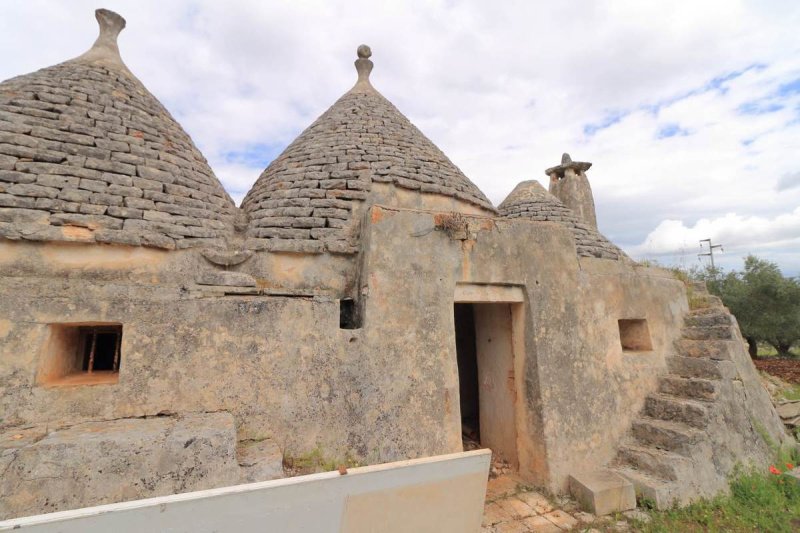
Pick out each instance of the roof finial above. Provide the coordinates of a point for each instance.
(105, 49)
(363, 65)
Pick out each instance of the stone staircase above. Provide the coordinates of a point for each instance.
(677, 449)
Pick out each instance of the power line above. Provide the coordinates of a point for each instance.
(710, 252)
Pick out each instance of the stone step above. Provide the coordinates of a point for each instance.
(695, 367)
(705, 301)
(708, 333)
(703, 318)
(695, 388)
(660, 493)
(711, 349)
(674, 409)
(666, 435)
(659, 463)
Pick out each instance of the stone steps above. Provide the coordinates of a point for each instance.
(666, 435)
(693, 388)
(666, 453)
(660, 493)
(660, 464)
(708, 318)
(708, 333)
(700, 367)
(673, 409)
(717, 350)
(707, 301)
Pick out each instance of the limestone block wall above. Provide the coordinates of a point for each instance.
(277, 360)
(278, 364)
(578, 390)
(595, 392)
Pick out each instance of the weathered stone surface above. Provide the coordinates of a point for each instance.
(104, 462)
(260, 461)
(227, 257)
(225, 278)
(788, 410)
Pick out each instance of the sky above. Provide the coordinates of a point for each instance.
(689, 111)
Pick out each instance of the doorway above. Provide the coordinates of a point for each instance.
(487, 384)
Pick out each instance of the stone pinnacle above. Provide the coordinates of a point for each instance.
(363, 66)
(105, 50)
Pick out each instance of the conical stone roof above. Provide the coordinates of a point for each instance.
(310, 191)
(88, 154)
(530, 200)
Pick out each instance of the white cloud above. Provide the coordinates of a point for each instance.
(736, 231)
(789, 181)
(502, 88)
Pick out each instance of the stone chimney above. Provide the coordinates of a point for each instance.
(568, 183)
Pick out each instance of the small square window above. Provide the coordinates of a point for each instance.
(349, 317)
(634, 335)
(81, 354)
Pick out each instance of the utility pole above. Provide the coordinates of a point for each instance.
(710, 252)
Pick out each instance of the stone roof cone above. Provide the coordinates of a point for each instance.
(530, 200)
(88, 154)
(309, 193)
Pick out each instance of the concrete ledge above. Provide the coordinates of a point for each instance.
(602, 492)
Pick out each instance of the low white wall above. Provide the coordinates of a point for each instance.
(442, 494)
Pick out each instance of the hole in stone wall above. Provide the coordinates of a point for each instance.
(348, 314)
(634, 335)
(78, 354)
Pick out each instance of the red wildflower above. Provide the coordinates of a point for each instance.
(790, 466)
(774, 470)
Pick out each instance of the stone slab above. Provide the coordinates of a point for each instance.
(117, 460)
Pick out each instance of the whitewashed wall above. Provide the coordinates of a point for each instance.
(442, 494)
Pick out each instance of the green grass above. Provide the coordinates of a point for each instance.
(790, 393)
(757, 502)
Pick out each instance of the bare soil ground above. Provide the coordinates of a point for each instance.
(786, 369)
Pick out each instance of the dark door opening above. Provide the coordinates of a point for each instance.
(467, 372)
(486, 379)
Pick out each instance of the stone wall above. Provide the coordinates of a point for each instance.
(273, 355)
(580, 390)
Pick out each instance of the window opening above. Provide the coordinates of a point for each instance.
(634, 335)
(348, 314)
(101, 347)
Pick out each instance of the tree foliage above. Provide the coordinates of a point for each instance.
(764, 301)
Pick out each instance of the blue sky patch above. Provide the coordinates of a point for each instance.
(671, 130)
(759, 107)
(255, 155)
(609, 120)
(793, 87)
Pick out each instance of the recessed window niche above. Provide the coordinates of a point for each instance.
(634, 335)
(81, 354)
